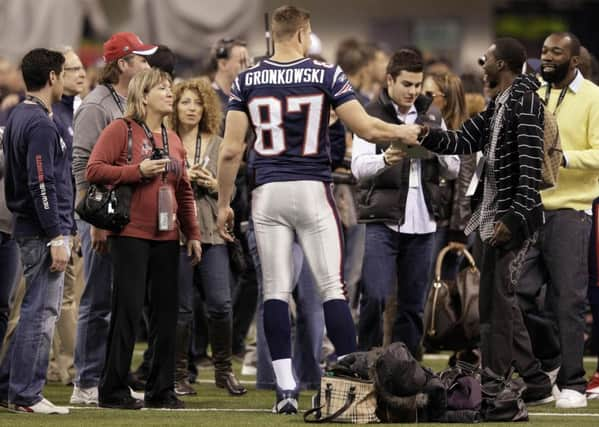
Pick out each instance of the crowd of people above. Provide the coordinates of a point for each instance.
(310, 197)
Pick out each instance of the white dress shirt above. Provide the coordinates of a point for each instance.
(366, 163)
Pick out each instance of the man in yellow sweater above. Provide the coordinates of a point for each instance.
(559, 255)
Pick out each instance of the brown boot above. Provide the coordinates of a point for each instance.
(221, 332)
(182, 385)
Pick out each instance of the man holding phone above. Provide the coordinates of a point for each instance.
(399, 201)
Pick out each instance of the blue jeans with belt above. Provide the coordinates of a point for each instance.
(23, 369)
(398, 261)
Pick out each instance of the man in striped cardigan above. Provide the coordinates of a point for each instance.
(509, 133)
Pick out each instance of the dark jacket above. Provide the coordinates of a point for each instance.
(39, 185)
(382, 197)
(519, 155)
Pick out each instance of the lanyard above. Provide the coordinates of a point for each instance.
(150, 136)
(198, 152)
(562, 95)
(116, 98)
(39, 102)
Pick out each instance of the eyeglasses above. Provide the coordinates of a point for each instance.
(433, 94)
(74, 69)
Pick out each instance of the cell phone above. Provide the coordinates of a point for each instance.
(413, 151)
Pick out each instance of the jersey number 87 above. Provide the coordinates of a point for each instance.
(274, 123)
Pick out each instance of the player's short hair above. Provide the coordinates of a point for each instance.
(37, 65)
(512, 52)
(405, 60)
(286, 20)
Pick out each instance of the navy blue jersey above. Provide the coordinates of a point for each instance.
(289, 106)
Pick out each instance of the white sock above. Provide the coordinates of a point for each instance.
(284, 374)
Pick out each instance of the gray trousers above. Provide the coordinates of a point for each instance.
(559, 260)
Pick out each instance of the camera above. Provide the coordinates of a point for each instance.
(158, 154)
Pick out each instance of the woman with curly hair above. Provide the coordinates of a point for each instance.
(196, 118)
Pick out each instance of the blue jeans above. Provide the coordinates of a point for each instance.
(393, 259)
(213, 274)
(9, 266)
(23, 370)
(309, 331)
(94, 313)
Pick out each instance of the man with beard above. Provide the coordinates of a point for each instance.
(510, 135)
(558, 256)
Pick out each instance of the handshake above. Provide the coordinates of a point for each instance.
(407, 144)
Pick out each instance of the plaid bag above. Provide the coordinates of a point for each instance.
(343, 399)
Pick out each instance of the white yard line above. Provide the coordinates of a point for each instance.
(533, 414)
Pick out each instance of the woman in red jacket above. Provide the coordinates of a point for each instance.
(145, 254)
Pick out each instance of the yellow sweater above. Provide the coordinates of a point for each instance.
(578, 122)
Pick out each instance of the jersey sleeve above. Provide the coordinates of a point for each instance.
(341, 89)
(237, 101)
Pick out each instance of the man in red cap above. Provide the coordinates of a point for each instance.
(125, 55)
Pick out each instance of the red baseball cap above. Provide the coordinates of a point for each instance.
(123, 44)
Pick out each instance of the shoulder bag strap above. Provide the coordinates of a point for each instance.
(351, 396)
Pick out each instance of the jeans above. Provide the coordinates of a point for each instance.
(214, 276)
(389, 257)
(9, 266)
(94, 312)
(309, 332)
(559, 258)
(23, 370)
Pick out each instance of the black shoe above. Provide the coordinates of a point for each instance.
(538, 394)
(286, 402)
(169, 402)
(124, 403)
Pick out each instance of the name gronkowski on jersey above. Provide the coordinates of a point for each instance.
(289, 106)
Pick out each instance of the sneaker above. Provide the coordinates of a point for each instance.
(286, 402)
(44, 406)
(593, 387)
(183, 388)
(127, 402)
(139, 395)
(84, 396)
(552, 375)
(570, 399)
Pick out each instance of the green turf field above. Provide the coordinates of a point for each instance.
(214, 407)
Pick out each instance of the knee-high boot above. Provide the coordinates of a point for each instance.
(182, 385)
(221, 332)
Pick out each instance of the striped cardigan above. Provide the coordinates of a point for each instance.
(519, 155)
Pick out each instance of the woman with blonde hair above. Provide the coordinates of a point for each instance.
(140, 152)
(196, 118)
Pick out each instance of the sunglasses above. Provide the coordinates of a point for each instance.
(433, 94)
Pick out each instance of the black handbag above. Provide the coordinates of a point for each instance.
(237, 258)
(107, 207)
